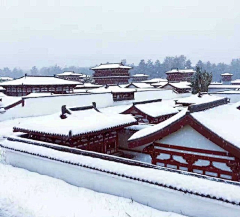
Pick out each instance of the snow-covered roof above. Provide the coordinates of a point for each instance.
(224, 86)
(194, 99)
(139, 85)
(140, 75)
(88, 85)
(223, 120)
(137, 127)
(228, 92)
(111, 89)
(111, 66)
(181, 71)
(155, 80)
(159, 84)
(79, 123)
(156, 109)
(181, 85)
(38, 95)
(6, 79)
(153, 109)
(71, 73)
(39, 80)
(216, 83)
(115, 109)
(8, 100)
(153, 129)
(235, 81)
(226, 74)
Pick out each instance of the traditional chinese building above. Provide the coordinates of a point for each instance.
(73, 76)
(140, 85)
(139, 77)
(198, 140)
(87, 86)
(176, 75)
(118, 93)
(226, 78)
(112, 73)
(235, 82)
(177, 87)
(155, 80)
(38, 84)
(151, 111)
(84, 128)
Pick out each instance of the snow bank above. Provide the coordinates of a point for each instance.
(45, 196)
(160, 189)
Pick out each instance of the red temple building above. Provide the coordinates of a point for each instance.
(151, 112)
(112, 73)
(226, 78)
(119, 93)
(139, 77)
(177, 87)
(202, 138)
(84, 128)
(38, 84)
(176, 75)
(73, 76)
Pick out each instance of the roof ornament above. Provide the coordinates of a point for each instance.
(94, 104)
(64, 112)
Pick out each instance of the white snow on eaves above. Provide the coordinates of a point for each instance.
(223, 120)
(39, 80)
(79, 122)
(194, 99)
(153, 129)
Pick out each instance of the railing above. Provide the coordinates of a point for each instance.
(193, 155)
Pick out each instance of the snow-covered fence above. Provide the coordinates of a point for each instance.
(159, 189)
(37, 106)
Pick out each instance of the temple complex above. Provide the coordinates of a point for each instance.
(38, 84)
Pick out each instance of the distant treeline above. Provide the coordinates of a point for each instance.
(153, 69)
(45, 71)
(158, 69)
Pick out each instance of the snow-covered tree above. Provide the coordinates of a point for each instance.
(200, 81)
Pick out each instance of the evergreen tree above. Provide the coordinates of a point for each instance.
(150, 68)
(34, 70)
(158, 68)
(200, 81)
(142, 67)
(188, 64)
(124, 62)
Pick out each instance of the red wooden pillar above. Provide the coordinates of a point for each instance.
(235, 167)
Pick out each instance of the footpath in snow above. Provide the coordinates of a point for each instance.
(28, 194)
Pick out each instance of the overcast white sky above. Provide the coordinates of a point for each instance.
(85, 33)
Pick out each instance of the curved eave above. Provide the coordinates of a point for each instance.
(66, 136)
(152, 137)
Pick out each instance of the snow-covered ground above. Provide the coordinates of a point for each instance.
(28, 194)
